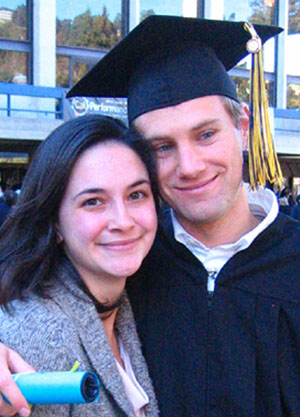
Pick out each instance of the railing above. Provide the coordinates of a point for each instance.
(10, 89)
(288, 121)
(287, 113)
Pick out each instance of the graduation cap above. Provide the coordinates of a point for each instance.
(167, 60)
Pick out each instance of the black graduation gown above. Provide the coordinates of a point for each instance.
(238, 355)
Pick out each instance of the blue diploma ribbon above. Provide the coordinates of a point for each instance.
(59, 387)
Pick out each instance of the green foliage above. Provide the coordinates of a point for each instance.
(19, 17)
(89, 31)
(146, 13)
(12, 63)
(17, 27)
(294, 16)
(293, 97)
(243, 88)
(62, 71)
(262, 12)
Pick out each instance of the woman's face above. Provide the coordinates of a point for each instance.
(107, 219)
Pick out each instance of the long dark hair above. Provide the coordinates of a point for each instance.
(29, 251)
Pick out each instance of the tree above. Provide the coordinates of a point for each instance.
(294, 16)
(63, 28)
(146, 13)
(12, 63)
(243, 88)
(16, 28)
(19, 17)
(89, 31)
(263, 12)
(293, 97)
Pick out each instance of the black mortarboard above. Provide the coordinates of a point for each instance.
(166, 60)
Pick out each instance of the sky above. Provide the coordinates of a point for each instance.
(11, 4)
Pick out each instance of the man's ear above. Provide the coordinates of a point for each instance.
(244, 125)
(59, 237)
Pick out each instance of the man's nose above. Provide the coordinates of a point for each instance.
(189, 161)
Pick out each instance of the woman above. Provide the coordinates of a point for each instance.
(84, 221)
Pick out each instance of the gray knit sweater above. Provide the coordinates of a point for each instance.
(52, 334)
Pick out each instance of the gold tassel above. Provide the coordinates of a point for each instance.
(263, 161)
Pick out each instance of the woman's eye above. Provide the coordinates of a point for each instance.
(137, 195)
(92, 202)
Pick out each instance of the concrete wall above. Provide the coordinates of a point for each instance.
(27, 129)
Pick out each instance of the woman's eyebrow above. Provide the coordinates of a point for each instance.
(102, 190)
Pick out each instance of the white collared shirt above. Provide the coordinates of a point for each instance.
(263, 205)
(135, 393)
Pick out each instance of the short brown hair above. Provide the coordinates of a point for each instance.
(234, 109)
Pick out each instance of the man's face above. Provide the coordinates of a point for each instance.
(199, 152)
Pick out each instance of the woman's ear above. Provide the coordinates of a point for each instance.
(59, 237)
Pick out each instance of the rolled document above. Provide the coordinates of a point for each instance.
(59, 387)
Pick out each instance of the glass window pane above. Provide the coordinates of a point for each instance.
(294, 17)
(62, 71)
(13, 68)
(243, 89)
(88, 23)
(187, 8)
(79, 69)
(292, 55)
(255, 11)
(13, 19)
(293, 96)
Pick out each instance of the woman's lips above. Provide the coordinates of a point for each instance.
(120, 245)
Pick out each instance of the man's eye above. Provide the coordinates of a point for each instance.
(163, 148)
(207, 135)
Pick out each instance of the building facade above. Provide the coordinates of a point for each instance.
(48, 45)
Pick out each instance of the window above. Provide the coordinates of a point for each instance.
(292, 58)
(260, 12)
(69, 71)
(187, 8)
(15, 47)
(13, 68)
(13, 20)
(81, 26)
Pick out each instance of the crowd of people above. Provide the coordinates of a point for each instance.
(194, 312)
(288, 204)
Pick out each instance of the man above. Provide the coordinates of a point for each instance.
(217, 300)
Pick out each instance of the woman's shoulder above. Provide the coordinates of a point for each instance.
(40, 331)
(29, 312)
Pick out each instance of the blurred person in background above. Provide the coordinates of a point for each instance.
(9, 200)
